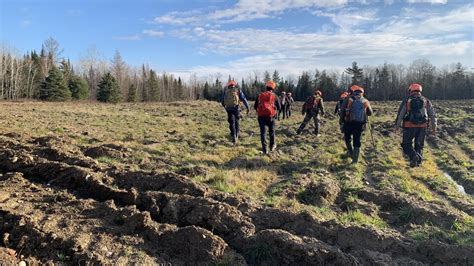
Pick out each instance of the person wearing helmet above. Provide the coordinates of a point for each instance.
(283, 102)
(415, 115)
(289, 103)
(312, 106)
(356, 115)
(231, 98)
(267, 105)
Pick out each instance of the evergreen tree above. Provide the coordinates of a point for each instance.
(54, 88)
(356, 73)
(266, 76)
(153, 87)
(108, 91)
(132, 94)
(78, 87)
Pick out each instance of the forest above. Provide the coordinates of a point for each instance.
(50, 76)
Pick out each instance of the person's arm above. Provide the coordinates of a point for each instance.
(368, 109)
(321, 105)
(222, 98)
(243, 99)
(432, 116)
(256, 103)
(277, 103)
(401, 114)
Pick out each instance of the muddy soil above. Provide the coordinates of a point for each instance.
(59, 205)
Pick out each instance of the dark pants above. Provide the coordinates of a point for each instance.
(265, 122)
(233, 117)
(288, 110)
(310, 115)
(413, 133)
(353, 131)
(282, 110)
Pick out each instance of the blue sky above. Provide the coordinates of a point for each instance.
(244, 36)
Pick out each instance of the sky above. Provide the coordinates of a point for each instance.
(243, 37)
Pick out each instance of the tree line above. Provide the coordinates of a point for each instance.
(49, 76)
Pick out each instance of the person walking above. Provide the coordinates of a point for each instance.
(340, 108)
(289, 103)
(231, 98)
(267, 105)
(311, 109)
(283, 101)
(415, 115)
(356, 116)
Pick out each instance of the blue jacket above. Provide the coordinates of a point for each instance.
(241, 98)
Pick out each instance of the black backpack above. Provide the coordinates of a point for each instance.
(416, 110)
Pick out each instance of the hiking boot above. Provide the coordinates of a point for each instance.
(349, 149)
(414, 161)
(419, 160)
(264, 151)
(273, 148)
(298, 131)
(355, 155)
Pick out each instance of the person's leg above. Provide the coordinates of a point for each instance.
(407, 145)
(231, 120)
(237, 124)
(317, 124)
(347, 139)
(263, 132)
(271, 131)
(357, 133)
(306, 119)
(289, 110)
(420, 135)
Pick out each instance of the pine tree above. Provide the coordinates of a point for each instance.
(266, 76)
(132, 94)
(152, 84)
(78, 87)
(54, 88)
(108, 90)
(356, 73)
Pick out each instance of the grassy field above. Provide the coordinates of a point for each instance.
(307, 174)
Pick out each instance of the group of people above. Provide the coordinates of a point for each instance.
(415, 115)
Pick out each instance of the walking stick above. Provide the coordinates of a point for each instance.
(372, 137)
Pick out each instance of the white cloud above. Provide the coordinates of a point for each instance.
(435, 36)
(153, 33)
(244, 10)
(25, 23)
(135, 37)
(428, 1)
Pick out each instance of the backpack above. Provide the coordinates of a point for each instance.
(357, 112)
(231, 97)
(266, 104)
(311, 103)
(416, 110)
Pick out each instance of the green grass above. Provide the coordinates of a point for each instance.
(170, 136)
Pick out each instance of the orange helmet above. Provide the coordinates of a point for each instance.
(283, 92)
(318, 92)
(289, 93)
(271, 84)
(355, 88)
(231, 83)
(415, 87)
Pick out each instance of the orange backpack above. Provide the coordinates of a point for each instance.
(266, 104)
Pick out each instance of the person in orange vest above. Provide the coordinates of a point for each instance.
(415, 115)
(312, 106)
(356, 116)
(267, 106)
(230, 100)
